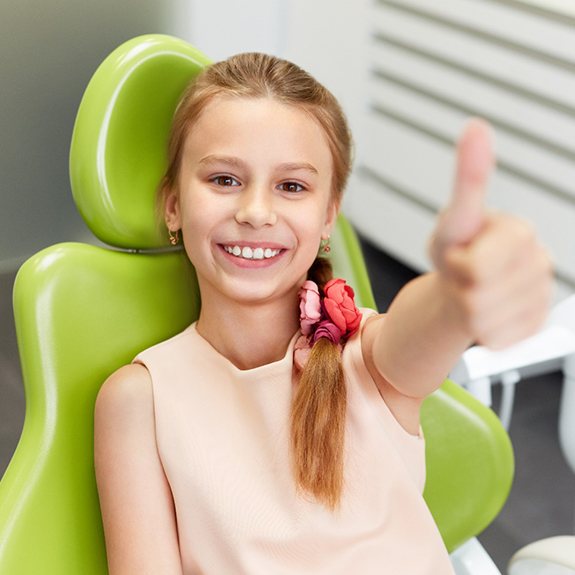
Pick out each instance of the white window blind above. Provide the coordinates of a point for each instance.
(432, 66)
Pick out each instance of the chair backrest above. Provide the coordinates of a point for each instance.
(82, 311)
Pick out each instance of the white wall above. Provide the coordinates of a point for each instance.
(221, 28)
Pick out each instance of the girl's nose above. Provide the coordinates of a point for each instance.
(256, 207)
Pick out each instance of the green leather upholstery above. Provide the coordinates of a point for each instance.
(82, 311)
(470, 463)
(118, 152)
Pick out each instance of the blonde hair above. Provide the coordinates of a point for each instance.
(319, 403)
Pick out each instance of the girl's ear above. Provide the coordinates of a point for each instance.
(332, 212)
(172, 213)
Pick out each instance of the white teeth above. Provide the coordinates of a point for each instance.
(258, 254)
(248, 253)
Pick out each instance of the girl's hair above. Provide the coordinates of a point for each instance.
(318, 413)
(319, 404)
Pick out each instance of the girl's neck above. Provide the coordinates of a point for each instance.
(249, 335)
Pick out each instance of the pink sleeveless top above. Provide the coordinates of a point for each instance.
(223, 439)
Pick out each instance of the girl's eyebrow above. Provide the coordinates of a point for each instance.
(296, 166)
(239, 163)
(229, 160)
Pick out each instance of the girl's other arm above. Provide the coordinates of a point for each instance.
(491, 285)
(135, 498)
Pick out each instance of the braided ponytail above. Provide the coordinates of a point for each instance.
(318, 414)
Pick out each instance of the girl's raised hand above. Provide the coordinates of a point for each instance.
(493, 269)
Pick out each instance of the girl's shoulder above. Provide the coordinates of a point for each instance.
(123, 392)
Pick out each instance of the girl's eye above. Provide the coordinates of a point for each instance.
(291, 187)
(224, 181)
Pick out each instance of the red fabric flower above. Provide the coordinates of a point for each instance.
(340, 307)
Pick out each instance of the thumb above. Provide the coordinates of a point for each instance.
(465, 213)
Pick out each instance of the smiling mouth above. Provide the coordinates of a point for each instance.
(248, 253)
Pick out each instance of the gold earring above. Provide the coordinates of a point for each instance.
(324, 246)
(174, 237)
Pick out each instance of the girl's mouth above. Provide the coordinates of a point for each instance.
(248, 253)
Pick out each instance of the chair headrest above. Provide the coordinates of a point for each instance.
(119, 144)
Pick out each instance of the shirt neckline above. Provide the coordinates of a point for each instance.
(286, 362)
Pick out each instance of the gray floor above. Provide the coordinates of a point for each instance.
(542, 500)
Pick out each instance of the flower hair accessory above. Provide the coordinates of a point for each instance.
(332, 315)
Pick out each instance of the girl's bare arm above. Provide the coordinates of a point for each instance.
(491, 285)
(135, 498)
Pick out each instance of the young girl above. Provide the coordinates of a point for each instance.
(279, 434)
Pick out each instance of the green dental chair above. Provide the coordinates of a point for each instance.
(83, 311)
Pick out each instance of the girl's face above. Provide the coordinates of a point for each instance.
(254, 198)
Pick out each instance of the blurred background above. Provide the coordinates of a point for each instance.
(408, 74)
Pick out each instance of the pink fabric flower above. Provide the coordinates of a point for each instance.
(340, 307)
(301, 352)
(303, 345)
(309, 306)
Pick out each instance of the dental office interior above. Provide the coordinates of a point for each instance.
(408, 73)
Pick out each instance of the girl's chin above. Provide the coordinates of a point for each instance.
(253, 291)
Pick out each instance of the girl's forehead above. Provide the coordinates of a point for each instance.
(268, 110)
(259, 126)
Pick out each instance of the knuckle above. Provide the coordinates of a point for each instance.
(522, 232)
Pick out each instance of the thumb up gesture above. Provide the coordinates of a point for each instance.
(497, 275)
